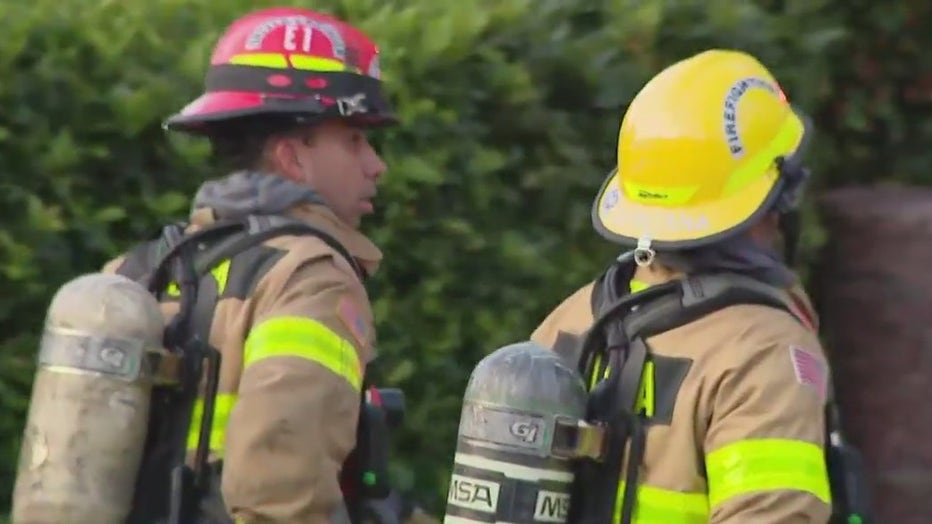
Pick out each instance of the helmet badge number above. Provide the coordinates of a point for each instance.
(298, 36)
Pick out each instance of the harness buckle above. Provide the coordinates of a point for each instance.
(573, 439)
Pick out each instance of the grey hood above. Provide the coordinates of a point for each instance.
(250, 192)
(739, 254)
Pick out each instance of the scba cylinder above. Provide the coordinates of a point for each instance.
(88, 414)
(504, 469)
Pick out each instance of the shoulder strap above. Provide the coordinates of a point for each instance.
(259, 228)
(698, 296)
(141, 258)
(681, 303)
(166, 258)
(149, 261)
(612, 284)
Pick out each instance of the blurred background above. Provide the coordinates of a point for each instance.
(510, 110)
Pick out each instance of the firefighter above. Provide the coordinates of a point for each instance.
(290, 96)
(708, 170)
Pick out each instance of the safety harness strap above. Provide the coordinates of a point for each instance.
(151, 495)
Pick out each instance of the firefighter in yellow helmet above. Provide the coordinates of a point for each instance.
(708, 169)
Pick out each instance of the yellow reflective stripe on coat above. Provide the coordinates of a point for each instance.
(636, 286)
(661, 506)
(303, 338)
(220, 272)
(645, 400)
(749, 466)
(223, 405)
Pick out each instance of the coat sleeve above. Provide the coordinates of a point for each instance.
(295, 419)
(764, 445)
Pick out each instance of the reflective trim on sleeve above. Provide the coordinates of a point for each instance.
(757, 465)
(661, 506)
(303, 338)
(223, 405)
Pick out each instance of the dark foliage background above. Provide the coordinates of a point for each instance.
(510, 111)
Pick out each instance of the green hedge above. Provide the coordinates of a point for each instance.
(510, 111)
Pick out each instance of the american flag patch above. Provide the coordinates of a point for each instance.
(810, 369)
(353, 320)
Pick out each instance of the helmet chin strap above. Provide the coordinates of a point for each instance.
(796, 177)
(789, 219)
(790, 226)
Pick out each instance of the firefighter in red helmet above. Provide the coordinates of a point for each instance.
(290, 95)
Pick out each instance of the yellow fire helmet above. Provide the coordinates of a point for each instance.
(706, 147)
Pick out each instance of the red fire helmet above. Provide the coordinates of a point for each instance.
(291, 64)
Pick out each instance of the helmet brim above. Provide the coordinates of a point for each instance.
(622, 220)
(213, 109)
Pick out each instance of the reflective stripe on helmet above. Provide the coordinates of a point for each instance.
(295, 61)
(785, 139)
(303, 338)
(748, 466)
(660, 506)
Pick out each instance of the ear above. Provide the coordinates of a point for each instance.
(282, 155)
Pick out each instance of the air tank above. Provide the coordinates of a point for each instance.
(88, 414)
(504, 468)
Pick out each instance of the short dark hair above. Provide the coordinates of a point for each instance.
(239, 144)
